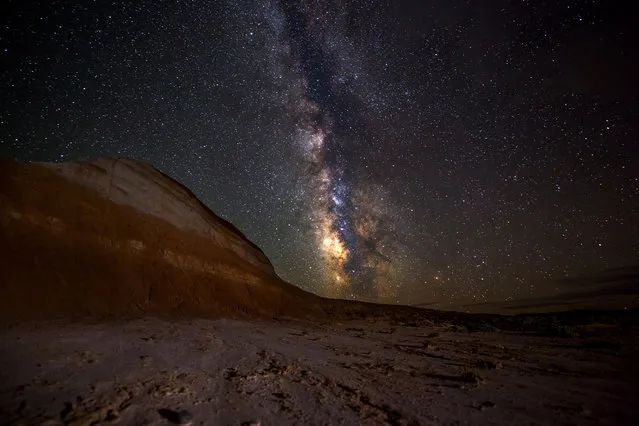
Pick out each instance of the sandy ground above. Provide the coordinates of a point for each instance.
(232, 372)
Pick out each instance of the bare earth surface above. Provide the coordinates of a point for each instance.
(115, 238)
(357, 371)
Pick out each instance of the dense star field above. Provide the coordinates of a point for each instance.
(393, 151)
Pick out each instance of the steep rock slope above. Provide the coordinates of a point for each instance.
(130, 182)
(114, 238)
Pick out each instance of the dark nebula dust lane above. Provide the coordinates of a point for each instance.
(400, 152)
(328, 115)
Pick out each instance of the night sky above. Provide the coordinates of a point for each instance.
(394, 151)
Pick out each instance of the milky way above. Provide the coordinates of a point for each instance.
(407, 152)
(347, 221)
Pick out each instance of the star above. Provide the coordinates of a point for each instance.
(374, 151)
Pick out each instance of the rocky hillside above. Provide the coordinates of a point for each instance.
(115, 238)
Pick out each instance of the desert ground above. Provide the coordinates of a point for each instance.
(345, 369)
(127, 301)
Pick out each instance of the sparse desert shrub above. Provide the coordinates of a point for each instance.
(471, 376)
(488, 365)
(459, 329)
(561, 330)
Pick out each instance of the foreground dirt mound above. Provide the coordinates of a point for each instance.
(116, 238)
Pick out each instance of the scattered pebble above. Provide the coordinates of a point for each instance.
(486, 404)
(488, 365)
(185, 418)
(111, 416)
(471, 377)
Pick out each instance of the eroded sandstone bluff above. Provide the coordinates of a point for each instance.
(115, 238)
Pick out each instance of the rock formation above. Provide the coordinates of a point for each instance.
(113, 238)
